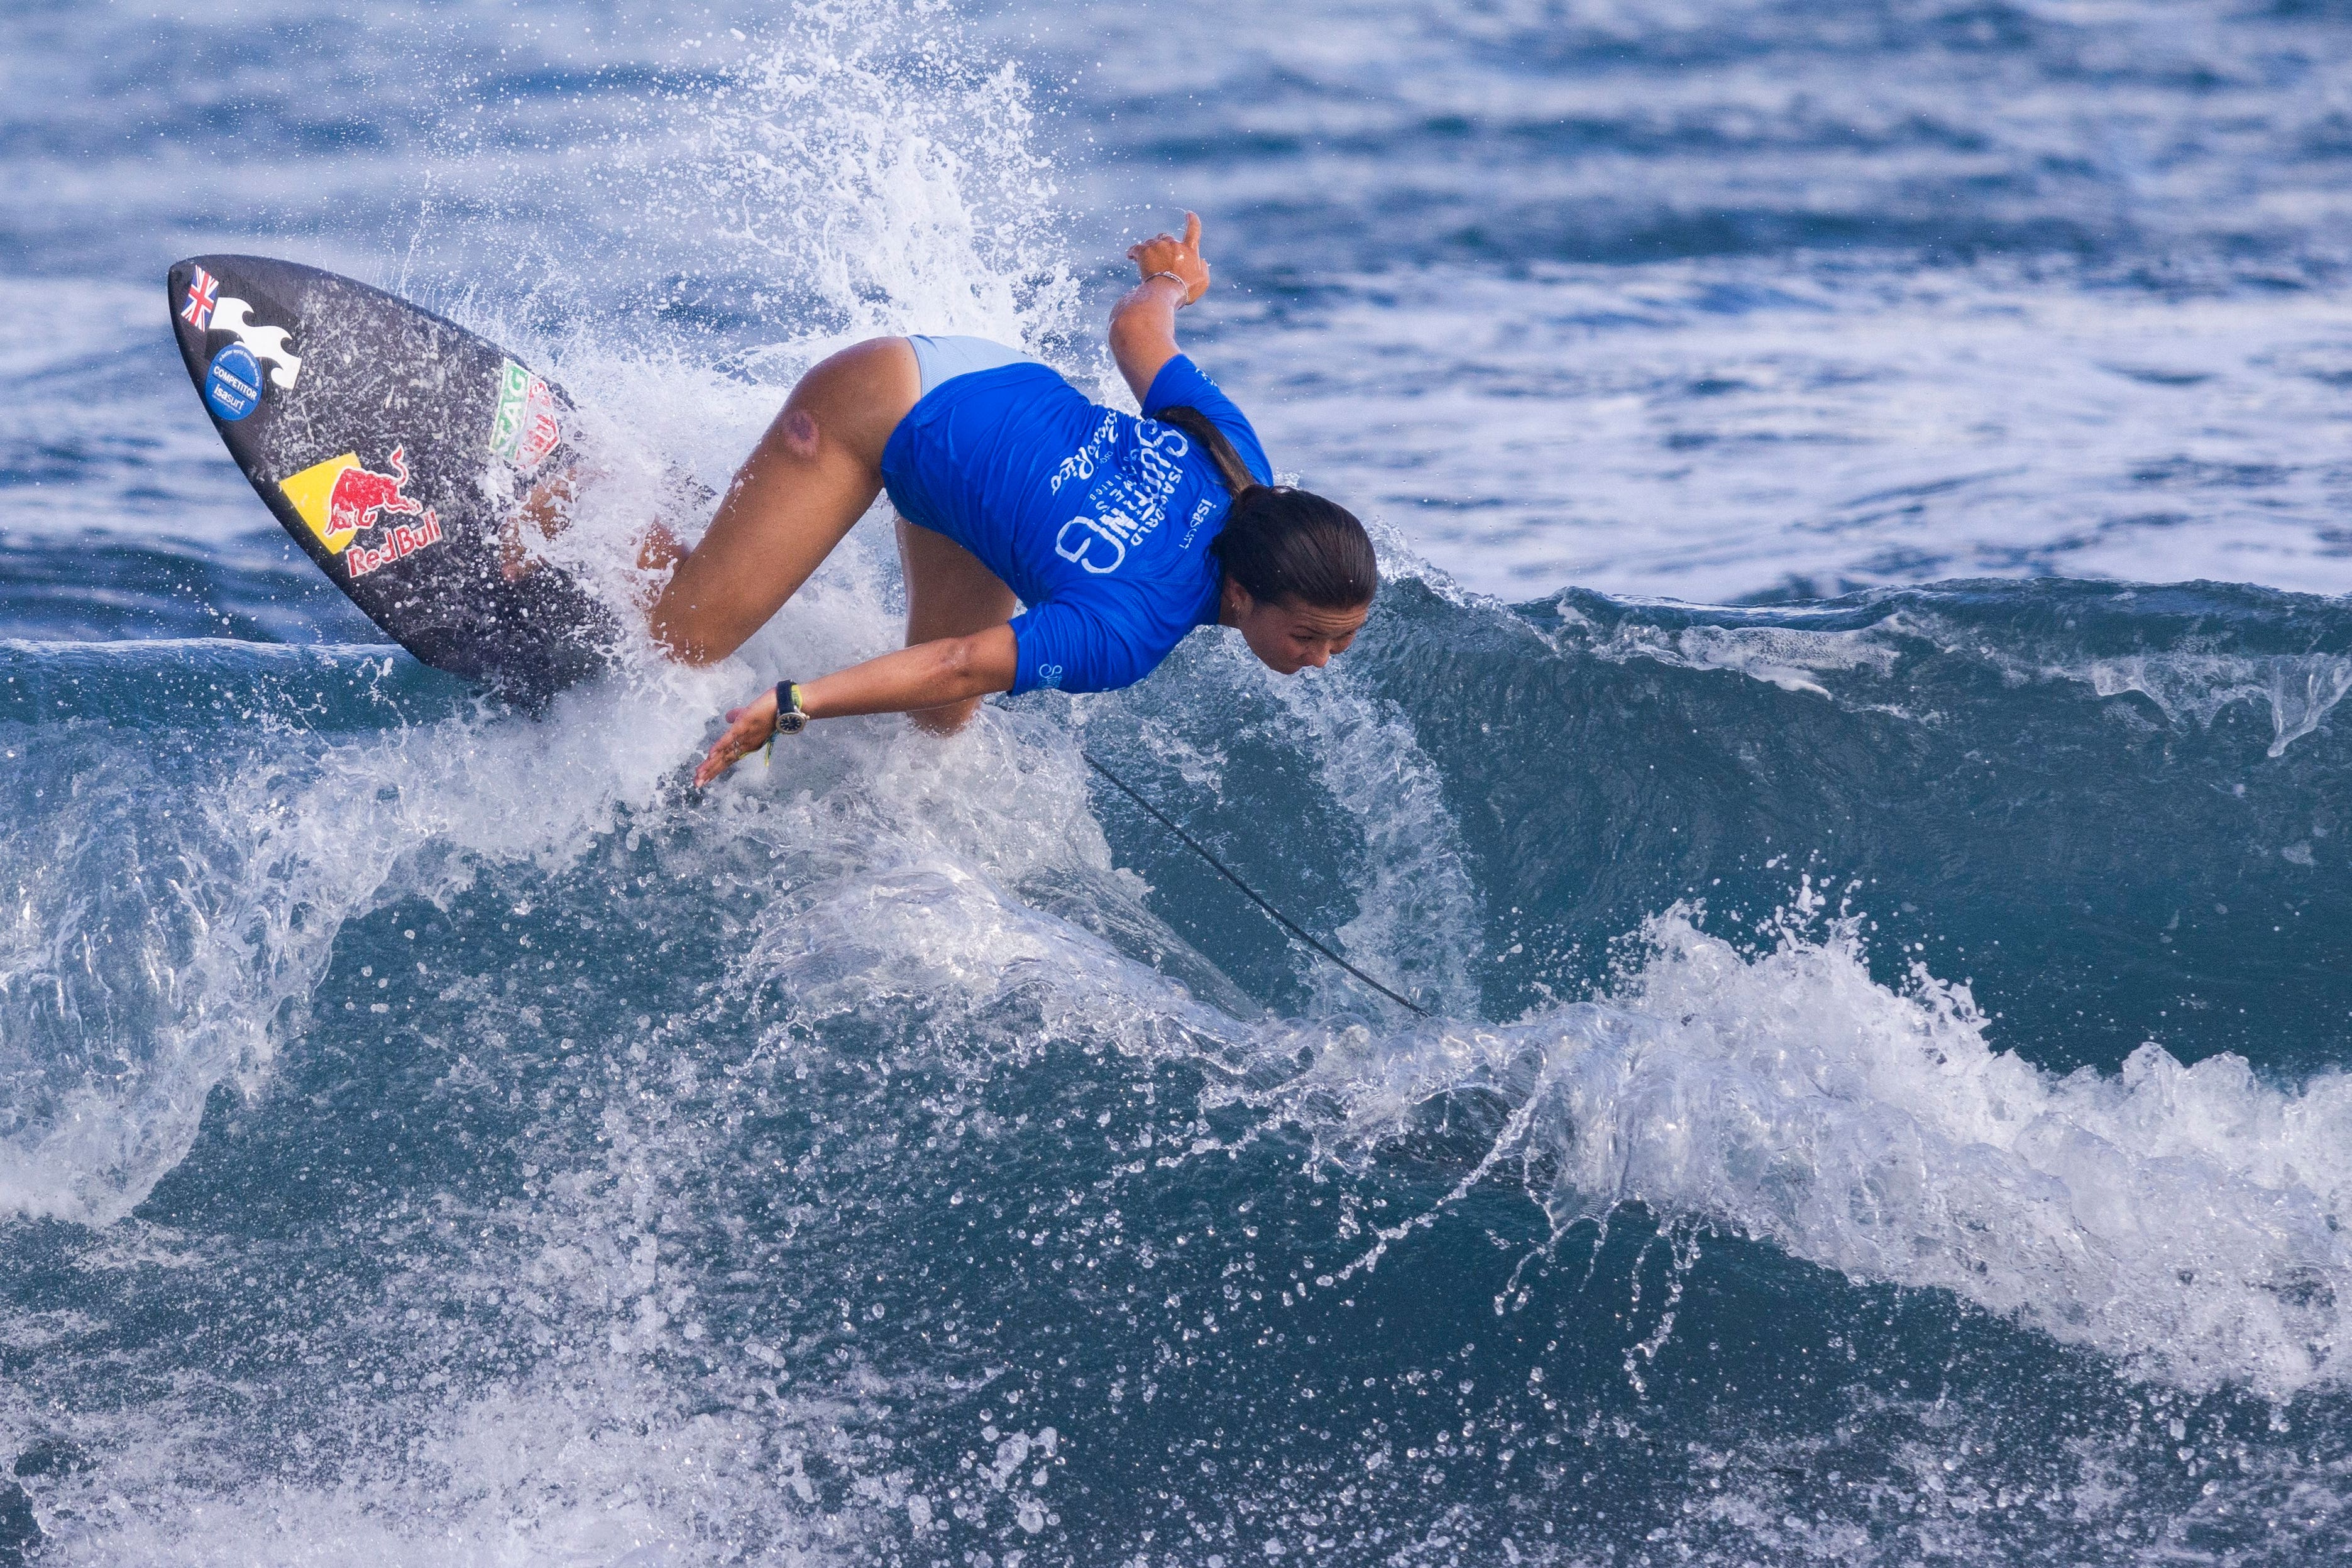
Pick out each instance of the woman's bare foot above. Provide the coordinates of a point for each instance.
(547, 512)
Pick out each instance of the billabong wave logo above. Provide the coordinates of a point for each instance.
(524, 430)
(268, 344)
(342, 497)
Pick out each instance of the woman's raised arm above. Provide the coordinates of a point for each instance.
(1143, 323)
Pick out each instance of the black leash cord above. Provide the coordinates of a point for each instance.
(1247, 892)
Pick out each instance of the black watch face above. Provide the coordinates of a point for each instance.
(791, 723)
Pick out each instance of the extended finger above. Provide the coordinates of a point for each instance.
(1193, 231)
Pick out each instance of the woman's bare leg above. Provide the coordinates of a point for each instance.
(811, 478)
(949, 594)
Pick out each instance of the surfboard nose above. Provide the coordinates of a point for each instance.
(391, 444)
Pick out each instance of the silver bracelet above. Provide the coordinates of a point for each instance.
(1180, 283)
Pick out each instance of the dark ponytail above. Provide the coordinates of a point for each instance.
(1279, 542)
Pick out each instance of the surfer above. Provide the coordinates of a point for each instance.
(1121, 535)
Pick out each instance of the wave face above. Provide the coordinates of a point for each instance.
(1882, 1095)
(467, 1133)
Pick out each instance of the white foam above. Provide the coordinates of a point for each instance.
(1417, 922)
(568, 1470)
(2299, 688)
(1790, 657)
(859, 155)
(2182, 1220)
(208, 921)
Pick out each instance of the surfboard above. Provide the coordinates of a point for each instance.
(394, 446)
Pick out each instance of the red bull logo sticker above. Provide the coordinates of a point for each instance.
(524, 430)
(343, 498)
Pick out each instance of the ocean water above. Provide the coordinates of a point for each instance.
(1849, 755)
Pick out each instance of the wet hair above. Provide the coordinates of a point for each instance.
(1280, 542)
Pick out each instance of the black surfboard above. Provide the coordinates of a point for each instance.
(394, 446)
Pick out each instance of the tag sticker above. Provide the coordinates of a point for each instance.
(524, 430)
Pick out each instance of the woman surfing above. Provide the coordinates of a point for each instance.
(1121, 535)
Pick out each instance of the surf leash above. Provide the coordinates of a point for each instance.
(1249, 892)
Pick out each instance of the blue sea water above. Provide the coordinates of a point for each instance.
(1849, 753)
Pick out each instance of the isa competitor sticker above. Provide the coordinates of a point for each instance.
(232, 385)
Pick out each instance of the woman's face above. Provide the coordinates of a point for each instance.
(1289, 635)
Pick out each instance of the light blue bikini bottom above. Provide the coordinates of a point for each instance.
(944, 359)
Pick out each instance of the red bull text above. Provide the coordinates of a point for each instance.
(404, 541)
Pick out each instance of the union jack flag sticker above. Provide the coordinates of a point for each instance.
(204, 293)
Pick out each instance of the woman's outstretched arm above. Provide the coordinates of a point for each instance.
(1143, 323)
(927, 675)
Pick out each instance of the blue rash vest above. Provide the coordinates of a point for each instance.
(1099, 522)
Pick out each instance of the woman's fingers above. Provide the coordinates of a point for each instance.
(1178, 250)
(1162, 252)
(1166, 253)
(723, 754)
(748, 729)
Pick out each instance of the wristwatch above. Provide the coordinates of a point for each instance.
(791, 717)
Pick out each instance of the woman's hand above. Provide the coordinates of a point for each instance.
(1166, 253)
(1143, 324)
(748, 729)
